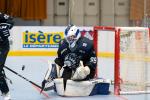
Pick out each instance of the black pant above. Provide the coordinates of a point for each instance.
(3, 55)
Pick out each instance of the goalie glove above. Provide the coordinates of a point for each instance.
(81, 72)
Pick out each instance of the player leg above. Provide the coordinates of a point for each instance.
(3, 84)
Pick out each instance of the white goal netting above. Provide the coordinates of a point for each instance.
(134, 60)
(124, 57)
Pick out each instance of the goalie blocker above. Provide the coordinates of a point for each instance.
(74, 88)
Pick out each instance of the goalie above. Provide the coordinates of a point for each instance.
(73, 49)
(76, 57)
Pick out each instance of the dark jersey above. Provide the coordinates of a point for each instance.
(83, 49)
(6, 23)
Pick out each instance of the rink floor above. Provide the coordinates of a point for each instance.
(35, 68)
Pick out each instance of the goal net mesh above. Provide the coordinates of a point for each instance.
(134, 60)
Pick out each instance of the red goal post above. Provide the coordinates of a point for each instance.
(131, 58)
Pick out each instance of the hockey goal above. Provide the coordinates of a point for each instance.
(129, 49)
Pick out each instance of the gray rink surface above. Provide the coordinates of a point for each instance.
(35, 68)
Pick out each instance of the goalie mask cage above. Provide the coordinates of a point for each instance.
(131, 58)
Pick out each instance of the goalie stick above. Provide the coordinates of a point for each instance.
(34, 84)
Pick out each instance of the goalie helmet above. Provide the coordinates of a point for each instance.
(72, 34)
(72, 61)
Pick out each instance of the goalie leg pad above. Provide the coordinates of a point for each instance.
(100, 89)
(82, 88)
(73, 88)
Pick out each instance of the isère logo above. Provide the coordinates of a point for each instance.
(41, 39)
